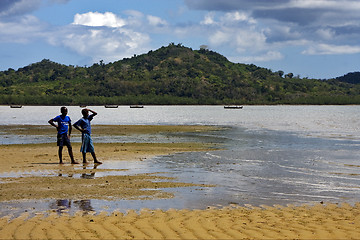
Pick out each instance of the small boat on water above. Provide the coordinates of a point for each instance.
(136, 106)
(15, 106)
(233, 107)
(111, 106)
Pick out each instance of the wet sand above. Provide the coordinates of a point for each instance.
(45, 178)
(38, 174)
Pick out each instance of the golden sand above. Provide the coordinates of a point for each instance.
(323, 221)
(316, 222)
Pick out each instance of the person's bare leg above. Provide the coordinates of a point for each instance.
(60, 155)
(84, 157)
(71, 155)
(95, 159)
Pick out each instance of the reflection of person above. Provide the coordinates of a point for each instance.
(90, 175)
(84, 205)
(84, 126)
(61, 205)
(64, 131)
(65, 205)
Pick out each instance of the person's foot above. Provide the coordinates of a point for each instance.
(61, 162)
(74, 162)
(97, 162)
(85, 162)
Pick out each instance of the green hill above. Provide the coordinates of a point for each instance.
(170, 75)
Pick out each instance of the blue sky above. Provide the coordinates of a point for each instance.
(310, 38)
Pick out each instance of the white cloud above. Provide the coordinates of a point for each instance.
(135, 19)
(209, 19)
(326, 33)
(311, 20)
(268, 56)
(156, 21)
(239, 39)
(227, 18)
(253, 40)
(108, 44)
(96, 19)
(237, 16)
(328, 49)
(324, 4)
(103, 36)
(220, 37)
(106, 36)
(236, 30)
(23, 30)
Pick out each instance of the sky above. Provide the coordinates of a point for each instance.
(309, 38)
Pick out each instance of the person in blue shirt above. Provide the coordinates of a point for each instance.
(64, 128)
(84, 126)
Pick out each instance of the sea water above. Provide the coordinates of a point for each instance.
(322, 121)
(272, 154)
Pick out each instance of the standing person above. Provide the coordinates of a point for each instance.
(64, 132)
(84, 126)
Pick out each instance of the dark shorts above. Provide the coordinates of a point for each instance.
(63, 140)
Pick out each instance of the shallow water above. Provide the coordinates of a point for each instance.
(274, 155)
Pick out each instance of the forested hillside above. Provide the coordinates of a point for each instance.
(170, 75)
(353, 78)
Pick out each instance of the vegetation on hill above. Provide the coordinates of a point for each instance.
(170, 75)
(353, 78)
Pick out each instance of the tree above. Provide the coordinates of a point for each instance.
(280, 73)
(289, 75)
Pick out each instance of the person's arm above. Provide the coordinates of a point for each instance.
(51, 122)
(76, 125)
(93, 112)
(70, 129)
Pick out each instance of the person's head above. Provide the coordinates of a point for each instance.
(63, 111)
(85, 112)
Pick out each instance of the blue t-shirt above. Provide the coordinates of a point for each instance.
(84, 123)
(63, 123)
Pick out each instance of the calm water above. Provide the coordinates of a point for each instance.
(323, 121)
(273, 154)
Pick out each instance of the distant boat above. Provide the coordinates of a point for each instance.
(111, 106)
(82, 106)
(233, 107)
(136, 106)
(16, 106)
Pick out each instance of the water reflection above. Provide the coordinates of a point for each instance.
(83, 173)
(67, 205)
(90, 175)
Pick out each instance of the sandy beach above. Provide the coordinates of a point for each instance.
(31, 171)
(316, 222)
